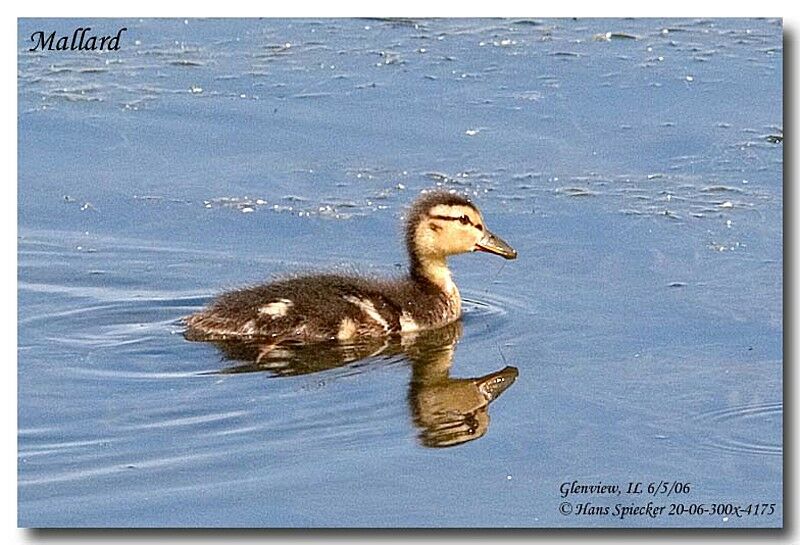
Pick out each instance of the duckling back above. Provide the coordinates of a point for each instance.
(312, 308)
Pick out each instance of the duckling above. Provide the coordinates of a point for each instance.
(335, 307)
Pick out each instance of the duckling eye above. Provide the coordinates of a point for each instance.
(464, 220)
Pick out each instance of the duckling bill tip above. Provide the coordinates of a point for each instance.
(493, 244)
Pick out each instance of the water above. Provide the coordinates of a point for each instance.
(636, 166)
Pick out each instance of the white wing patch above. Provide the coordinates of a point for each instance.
(368, 308)
(249, 328)
(276, 309)
(407, 323)
(347, 329)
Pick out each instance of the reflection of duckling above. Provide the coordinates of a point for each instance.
(450, 411)
(453, 411)
(302, 359)
(447, 411)
(336, 307)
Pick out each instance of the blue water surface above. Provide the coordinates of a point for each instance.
(636, 166)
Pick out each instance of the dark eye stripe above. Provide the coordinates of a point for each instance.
(463, 219)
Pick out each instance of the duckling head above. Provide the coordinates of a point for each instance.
(443, 224)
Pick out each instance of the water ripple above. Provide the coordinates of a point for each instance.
(741, 428)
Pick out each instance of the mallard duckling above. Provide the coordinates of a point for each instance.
(325, 307)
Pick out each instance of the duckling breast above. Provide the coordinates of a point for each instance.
(426, 306)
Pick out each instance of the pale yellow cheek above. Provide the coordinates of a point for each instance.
(423, 239)
(459, 243)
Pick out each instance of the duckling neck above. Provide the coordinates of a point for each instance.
(437, 301)
(435, 271)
